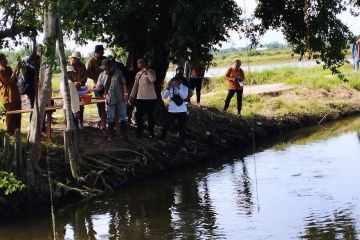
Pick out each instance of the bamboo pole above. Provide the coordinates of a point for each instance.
(17, 163)
(7, 150)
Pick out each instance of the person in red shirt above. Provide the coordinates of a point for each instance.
(235, 78)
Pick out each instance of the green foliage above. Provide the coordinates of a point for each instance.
(161, 30)
(314, 28)
(9, 183)
(20, 18)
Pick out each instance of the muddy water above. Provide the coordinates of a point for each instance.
(307, 186)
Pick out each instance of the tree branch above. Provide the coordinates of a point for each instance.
(14, 31)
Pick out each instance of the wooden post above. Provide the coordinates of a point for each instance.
(48, 125)
(66, 153)
(71, 152)
(103, 122)
(7, 150)
(17, 163)
(117, 124)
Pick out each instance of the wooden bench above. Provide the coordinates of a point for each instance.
(49, 110)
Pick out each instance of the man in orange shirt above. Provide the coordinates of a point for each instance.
(9, 94)
(235, 77)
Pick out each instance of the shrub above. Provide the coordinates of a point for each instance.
(9, 183)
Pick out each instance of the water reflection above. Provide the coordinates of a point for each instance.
(182, 210)
(242, 184)
(312, 134)
(312, 176)
(339, 225)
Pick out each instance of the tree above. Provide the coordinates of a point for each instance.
(310, 26)
(160, 30)
(33, 14)
(18, 20)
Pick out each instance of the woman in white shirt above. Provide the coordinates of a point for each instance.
(176, 93)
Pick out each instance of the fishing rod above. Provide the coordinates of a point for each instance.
(252, 122)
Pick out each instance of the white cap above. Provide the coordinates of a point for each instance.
(76, 54)
(110, 52)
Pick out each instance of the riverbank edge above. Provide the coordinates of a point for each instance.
(212, 133)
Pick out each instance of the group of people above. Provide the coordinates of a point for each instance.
(121, 90)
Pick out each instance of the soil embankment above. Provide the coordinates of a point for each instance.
(211, 133)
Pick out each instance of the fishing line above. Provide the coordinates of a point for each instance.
(252, 121)
(51, 193)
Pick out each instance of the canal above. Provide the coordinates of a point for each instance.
(305, 186)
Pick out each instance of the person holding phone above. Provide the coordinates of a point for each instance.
(235, 78)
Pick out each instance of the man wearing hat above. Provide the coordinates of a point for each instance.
(112, 82)
(93, 71)
(79, 79)
(74, 96)
(80, 69)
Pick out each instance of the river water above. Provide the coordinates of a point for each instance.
(221, 71)
(306, 186)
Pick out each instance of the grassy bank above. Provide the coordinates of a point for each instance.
(316, 91)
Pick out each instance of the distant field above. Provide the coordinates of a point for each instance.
(255, 57)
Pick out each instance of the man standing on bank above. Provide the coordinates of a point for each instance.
(113, 83)
(235, 77)
(93, 71)
(144, 96)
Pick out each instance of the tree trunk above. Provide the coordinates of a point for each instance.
(71, 134)
(44, 88)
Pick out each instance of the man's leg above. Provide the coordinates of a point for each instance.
(122, 109)
(139, 104)
(181, 117)
(239, 94)
(230, 94)
(170, 118)
(151, 119)
(111, 109)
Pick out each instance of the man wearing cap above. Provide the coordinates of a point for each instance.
(112, 82)
(80, 69)
(93, 71)
(74, 96)
(79, 79)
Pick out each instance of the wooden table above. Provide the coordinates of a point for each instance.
(49, 110)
